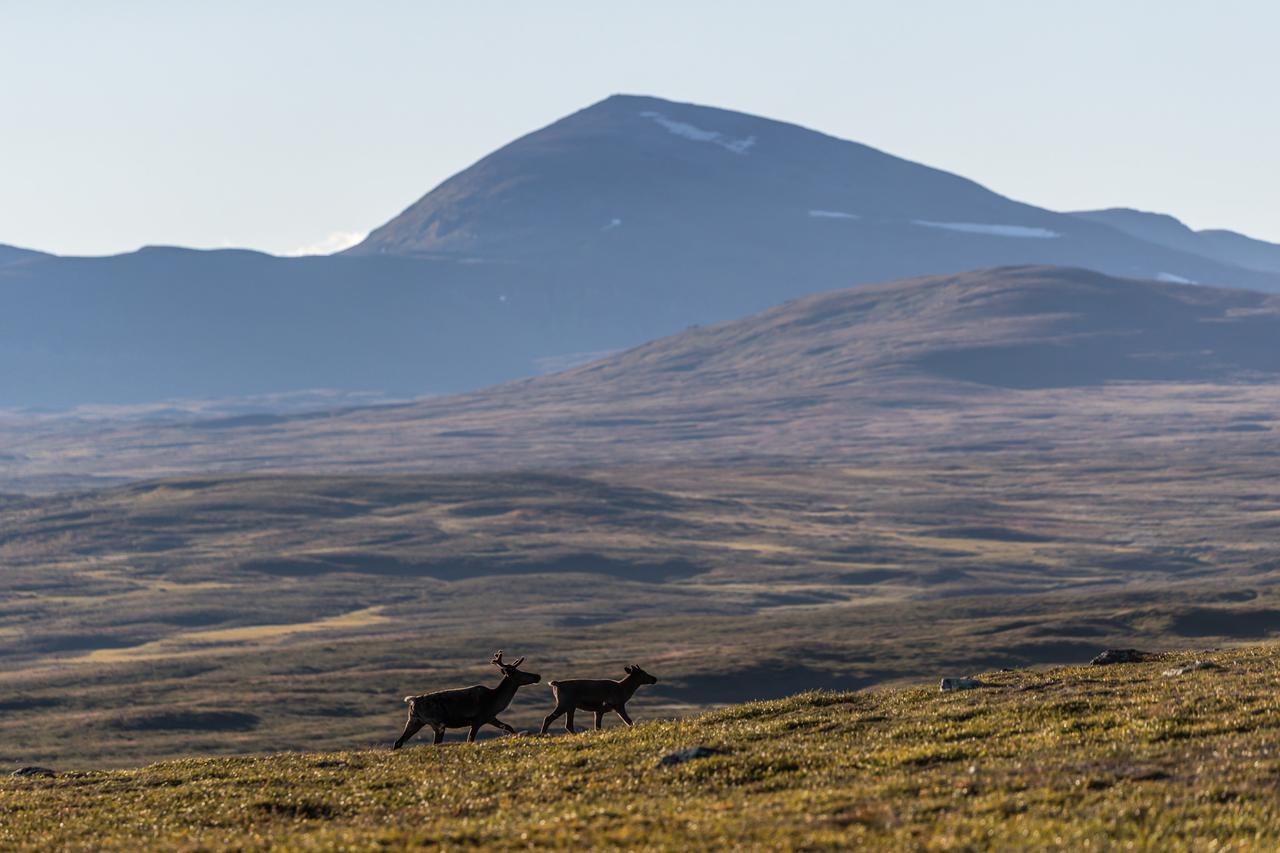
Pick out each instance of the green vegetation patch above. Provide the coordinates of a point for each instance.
(1072, 758)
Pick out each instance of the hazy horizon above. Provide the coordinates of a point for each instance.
(299, 128)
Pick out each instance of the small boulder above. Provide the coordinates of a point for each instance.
(680, 756)
(961, 684)
(1190, 667)
(32, 771)
(1111, 656)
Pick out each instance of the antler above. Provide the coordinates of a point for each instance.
(497, 661)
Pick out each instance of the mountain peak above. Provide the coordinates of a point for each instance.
(643, 171)
(635, 180)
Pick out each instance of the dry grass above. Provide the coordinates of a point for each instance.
(188, 643)
(1073, 759)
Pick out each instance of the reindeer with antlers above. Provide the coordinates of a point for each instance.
(465, 707)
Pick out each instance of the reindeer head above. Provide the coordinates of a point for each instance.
(512, 671)
(639, 674)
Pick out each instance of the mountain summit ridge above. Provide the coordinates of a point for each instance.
(635, 159)
(1229, 247)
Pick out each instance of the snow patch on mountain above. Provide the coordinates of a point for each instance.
(1173, 279)
(991, 229)
(832, 214)
(697, 134)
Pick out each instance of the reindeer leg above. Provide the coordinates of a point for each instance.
(439, 736)
(471, 735)
(568, 722)
(599, 719)
(506, 728)
(410, 729)
(550, 718)
(621, 711)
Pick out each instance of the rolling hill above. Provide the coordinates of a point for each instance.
(1022, 327)
(800, 380)
(627, 221)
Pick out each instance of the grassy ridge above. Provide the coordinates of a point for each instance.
(1076, 758)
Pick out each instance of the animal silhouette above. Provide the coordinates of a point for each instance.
(466, 707)
(597, 695)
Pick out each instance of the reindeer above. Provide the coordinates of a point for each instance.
(472, 706)
(595, 694)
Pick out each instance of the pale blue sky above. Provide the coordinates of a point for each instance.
(212, 124)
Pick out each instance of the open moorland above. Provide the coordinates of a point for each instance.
(1148, 756)
(254, 613)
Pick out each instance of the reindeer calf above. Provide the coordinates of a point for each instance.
(466, 707)
(595, 694)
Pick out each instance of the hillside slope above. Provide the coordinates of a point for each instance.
(1075, 758)
(805, 379)
(1022, 327)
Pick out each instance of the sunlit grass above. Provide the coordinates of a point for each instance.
(195, 642)
(1075, 758)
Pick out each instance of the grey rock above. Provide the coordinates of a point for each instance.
(1190, 667)
(1111, 656)
(32, 771)
(961, 684)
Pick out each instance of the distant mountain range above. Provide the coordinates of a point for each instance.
(1228, 247)
(629, 220)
